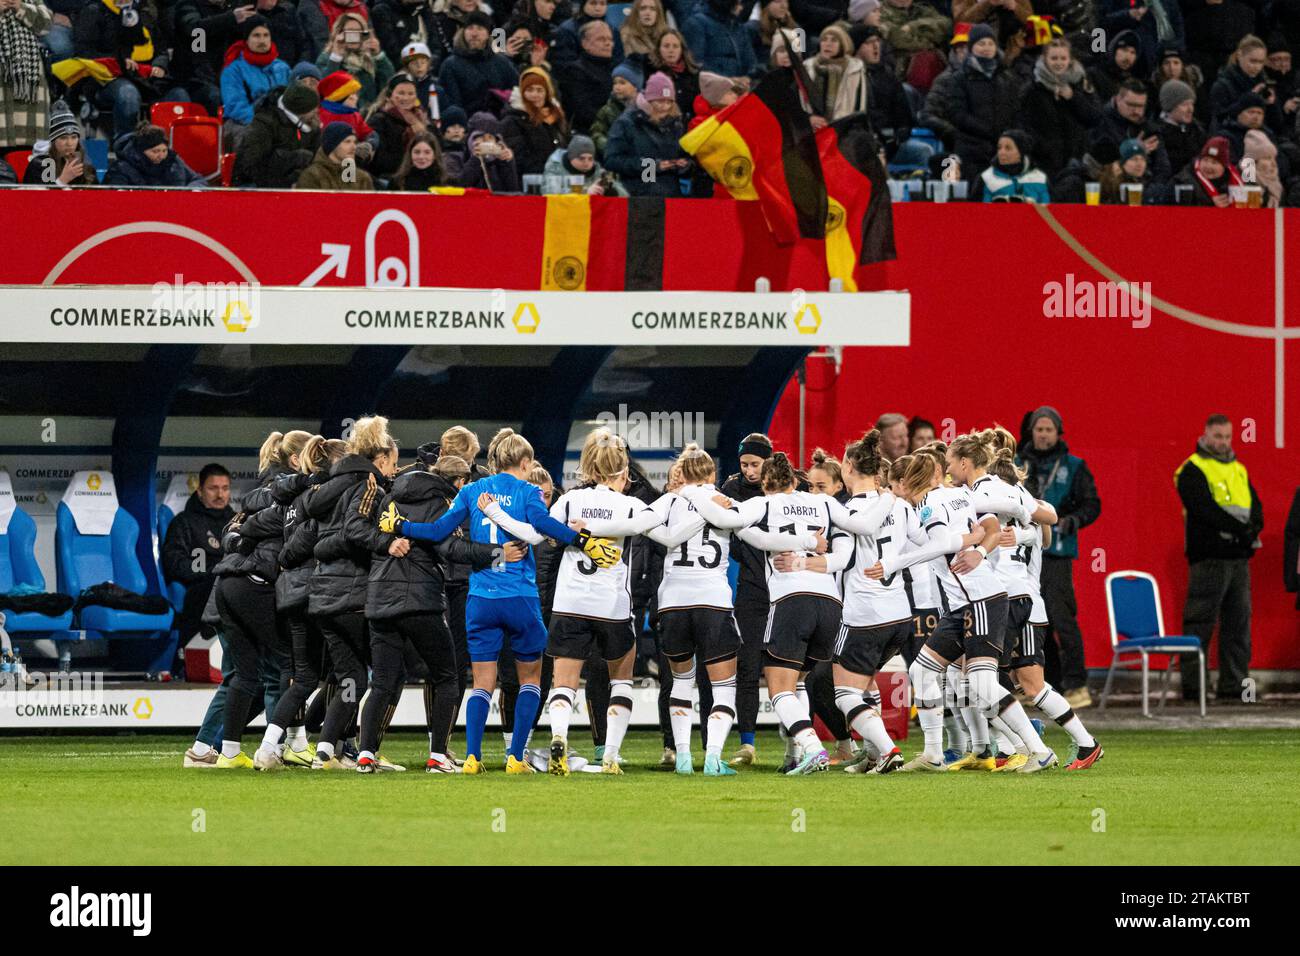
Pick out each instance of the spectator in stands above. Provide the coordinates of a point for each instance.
(1174, 65)
(450, 18)
(984, 100)
(919, 432)
(204, 31)
(421, 167)
(1135, 170)
(864, 13)
(281, 141)
(1058, 108)
(192, 547)
(914, 29)
(1244, 74)
(397, 118)
(253, 68)
(578, 158)
(528, 35)
(24, 97)
(307, 74)
(1100, 164)
(585, 82)
(837, 80)
(1063, 481)
(893, 435)
(417, 61)
(1245, 115)
(1125, 117)
(567, 45)
(887, 103)
(488, 162)
(1119, 66)
(317, 19)
(1006, 17)
(674, 60)
(1260, 150)
(643, 144)
(1153, 22)
(940, 104)
(645, 24)
(1013, 177)
(1210, 176)
(1180, 131)
(335, 165)
(1223, 517)
(472, 70)
(1214, 28)
(124, 35)
(339, 93)
(453, 128)
(58, 40)
(396, 22)
(286, 30)
(716, 36)
(354, 49)
(1279, 71)
(143, 158)
(534, 126)
(773, 15)
(60, 159)
(626, 83)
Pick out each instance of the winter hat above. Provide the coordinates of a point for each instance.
(477, 19)
(1104, 151)
(334, 134)
(960, 34)
(1248, 100)
(860, 33)
(300, 100)
(1040, 30)
(338, 86)
(1024, 142)
(1124, 39)
(859, 10)
(251, 24)
(981, 31)
(837, 31)
(578, 146)
(1173, 94)
(536, 76)
(1047, 411)
(305, 70)
(484, 123)
(1130, 148)
(1217, 146)
(453, 116)
(62, 122)
(629, 72)
(414, 49)
(714, 87)
(1171, 50)
(149, 137)
(398, 78)
(1258, 146)
(659, 87)
(427, 454)
(1277, 43)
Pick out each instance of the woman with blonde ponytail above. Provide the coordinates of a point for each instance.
(503, 600)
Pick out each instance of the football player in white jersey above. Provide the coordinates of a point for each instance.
(804, 617)
(1019, 560)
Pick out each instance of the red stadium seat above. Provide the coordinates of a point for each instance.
(227, 168)
(197, 140)
(166, 113)
(19, 159)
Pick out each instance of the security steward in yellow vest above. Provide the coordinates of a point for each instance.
(1223, 517)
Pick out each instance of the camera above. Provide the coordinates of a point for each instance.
(355, 36)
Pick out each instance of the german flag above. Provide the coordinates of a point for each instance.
(860, 218)
(762, 147)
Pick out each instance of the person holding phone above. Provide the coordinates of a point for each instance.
(354, 49)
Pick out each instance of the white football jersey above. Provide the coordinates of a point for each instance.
(1011, 565)
(581, 588)
(695, 572)
(868, 603)
(951, 509)
(795, 512)
(919, 577)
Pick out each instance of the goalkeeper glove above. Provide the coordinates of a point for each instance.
(603, 552)
(391, 522)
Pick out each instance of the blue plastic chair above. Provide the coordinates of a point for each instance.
(18, 566)
(175, 591)
(97, 153)
(1137, 627)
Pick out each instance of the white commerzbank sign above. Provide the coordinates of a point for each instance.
(225, 313)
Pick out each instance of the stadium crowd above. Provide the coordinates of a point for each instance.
(1025, 100)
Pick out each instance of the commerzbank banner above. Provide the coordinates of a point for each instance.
(246, 313)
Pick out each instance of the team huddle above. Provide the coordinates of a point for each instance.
(340, 567)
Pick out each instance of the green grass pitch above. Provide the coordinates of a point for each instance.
(1159, 797)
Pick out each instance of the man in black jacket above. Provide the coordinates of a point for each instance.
(585, 83)
(281, 140)
(887, 105)
(203, 31)
(1224, 517)
(192, 547)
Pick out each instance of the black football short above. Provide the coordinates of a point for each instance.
(1029, 648)
(1018, 611)
(708, 631)
(924, 621)
(801, 630)
(864, 650)
(974, 630)
(575, 637)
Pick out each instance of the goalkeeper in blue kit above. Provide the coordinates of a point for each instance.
(503, 601)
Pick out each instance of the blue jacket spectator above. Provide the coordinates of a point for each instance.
(1013, 177)
(717, 38)
(252, 70)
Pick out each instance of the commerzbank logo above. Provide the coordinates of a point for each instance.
(93, 481)
(142, 708)
(526, 320)
(807, 319)
(237, 317)
(182, 304)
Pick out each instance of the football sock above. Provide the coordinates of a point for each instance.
(859, 715)
(722, 715)
(994, 700)
(200, 749)
(618, 717)
(230, 748)
(272, 735)
(560, 710)
(476, 715)
(1050, 702)
(526, 705)
(326, 748)
(679, 709)
(748, 737)
(926, 675)
(297, 737)
(793, 714)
